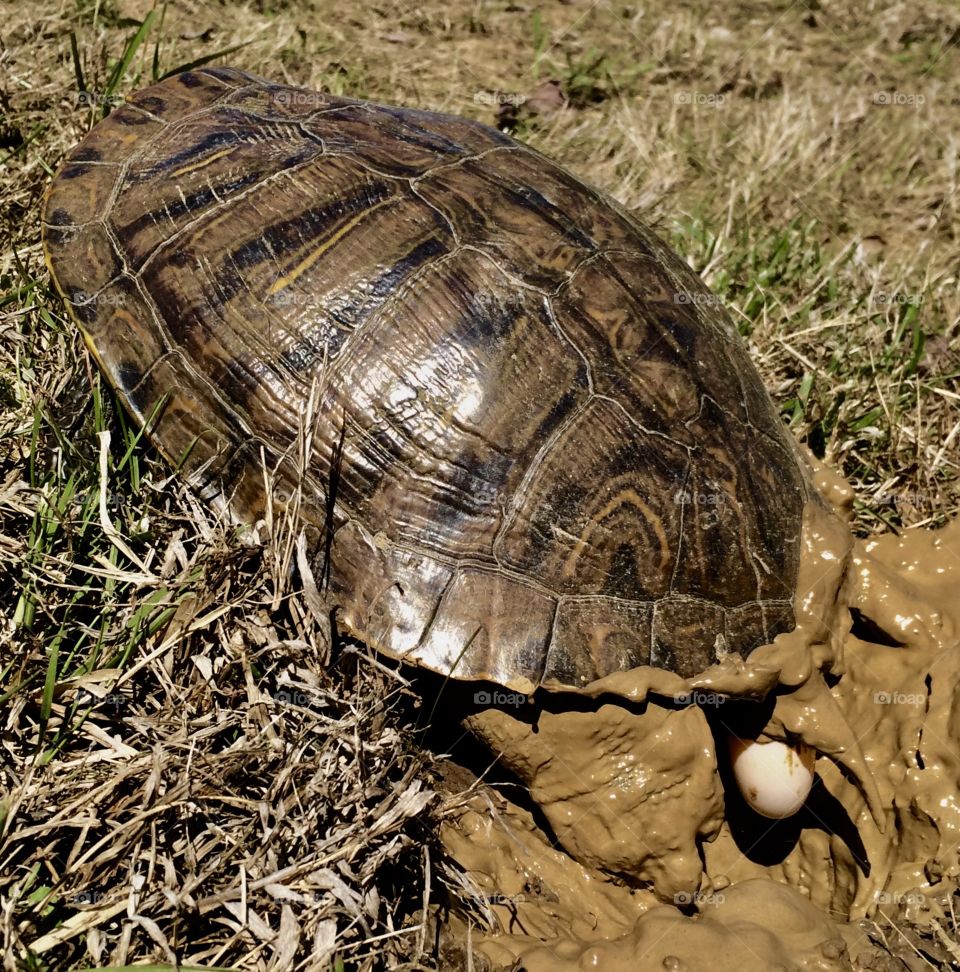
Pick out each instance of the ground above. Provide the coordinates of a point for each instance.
(176, 738)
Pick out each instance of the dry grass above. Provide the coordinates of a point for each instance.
(187, 770)
(185, 773)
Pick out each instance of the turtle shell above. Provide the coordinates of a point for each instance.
(529, 442)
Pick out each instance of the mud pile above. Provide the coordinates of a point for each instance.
(665, 865)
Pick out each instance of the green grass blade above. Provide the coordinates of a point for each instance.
(155, 63)
(133, 45)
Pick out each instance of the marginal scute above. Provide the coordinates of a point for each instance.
(236, 482)
(747, 624)
(474, 633)
(80, 194)
(685, 635)
(551, 456)
(596, 635)
(172, 99)
(119, 326)
(131, 116)
(190, 80)
(188, 425)
(129, 377)
(86, 262)
(388, 594)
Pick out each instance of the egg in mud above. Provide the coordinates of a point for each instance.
(774, 777)
(658, 866)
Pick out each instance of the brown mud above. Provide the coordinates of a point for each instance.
(663, 865)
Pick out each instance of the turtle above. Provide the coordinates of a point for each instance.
(527, 443)
(553, 457)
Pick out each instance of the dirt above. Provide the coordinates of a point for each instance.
(660, 862)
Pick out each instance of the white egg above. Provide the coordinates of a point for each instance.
(774, 777)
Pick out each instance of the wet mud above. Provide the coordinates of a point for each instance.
(643, 854)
